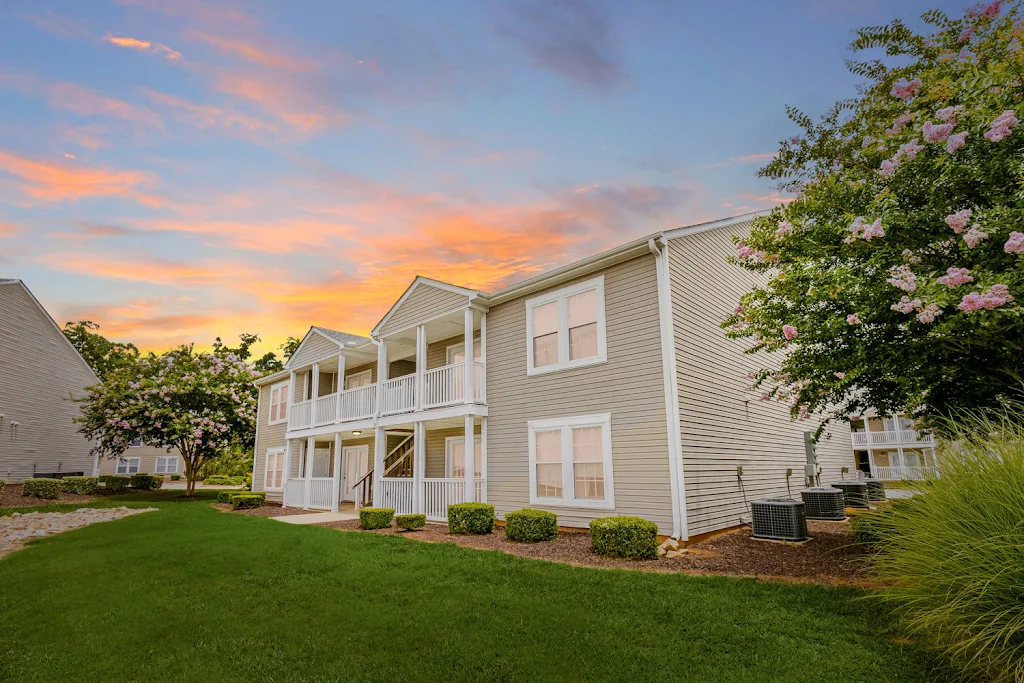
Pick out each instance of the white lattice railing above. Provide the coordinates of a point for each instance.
(294, 492)
(326, 409)
(301, 415)
(359, 403)
(438, 494)
(397, 493)
(321, 492)
(399, 395)
(905, 472)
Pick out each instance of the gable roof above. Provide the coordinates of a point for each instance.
(46, 314)
(418, 281)
(343, 340)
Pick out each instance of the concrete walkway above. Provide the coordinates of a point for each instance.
(318, 517)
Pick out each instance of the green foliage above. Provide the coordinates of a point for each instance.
(858, 304)
(41, 488)
(530, 526)
(955, 555)
(472, 518)
(175, 477)
(411, 522)
(634, 538)
(82, 485)
(3, 483)
(375, 518)
(246, 500)
(233, 461)
(146, 482)
(222, 480)
(226, 495)
(115, 483)
(102, 355)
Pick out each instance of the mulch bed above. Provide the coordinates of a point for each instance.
(11, 497)
(266, 510)
(829, 558)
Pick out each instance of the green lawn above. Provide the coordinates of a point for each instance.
(191, 594)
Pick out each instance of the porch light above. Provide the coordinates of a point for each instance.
(356, 432)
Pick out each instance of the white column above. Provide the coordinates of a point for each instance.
(314, 392)
(310, 447)
(421, 363)
(382, 373)
(468, 348)
(337, 471)
(469, 458)
(379, 451)
(291, 394)
(483, 356)
(419, 465)
(341, 384)
(483, 459)
(287, 467)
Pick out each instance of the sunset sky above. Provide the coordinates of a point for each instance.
(180, 170)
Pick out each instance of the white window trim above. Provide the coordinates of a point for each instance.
(277, 387)
(165, 458)
(279, 452)
(451, 349)
(365, 373)
(448, 463)
(136, 443)
(561, 297)
(127, 466)
(568, 499)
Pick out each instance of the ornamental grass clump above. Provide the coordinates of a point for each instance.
(955, 557)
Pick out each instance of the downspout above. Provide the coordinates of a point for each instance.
(680, 528)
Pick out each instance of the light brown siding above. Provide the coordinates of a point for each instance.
(437, 352)
(147, 456)
(436, 449)
(316, 348)
(425, 302)
(629, 386)
(268, 436)
(40, 372)
(722, 424)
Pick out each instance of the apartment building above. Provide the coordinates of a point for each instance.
(604, 387)
(892, 448)
(140, 458)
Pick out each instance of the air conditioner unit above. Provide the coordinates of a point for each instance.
(779, 520)
(824, 503)
(855, 493)
(876, 489)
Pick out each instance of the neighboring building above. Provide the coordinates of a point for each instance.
(40, 375)
(605, 387)
(139, 458)
(890, 448)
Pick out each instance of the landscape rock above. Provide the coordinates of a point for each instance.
(18, 527)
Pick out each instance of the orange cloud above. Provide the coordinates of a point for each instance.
(203, 116)
(9, 230)
(252, 53)
(143, 45)
(65, 181)
(153, 271)
(82, 100)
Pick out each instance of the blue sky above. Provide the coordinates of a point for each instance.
(180, 170)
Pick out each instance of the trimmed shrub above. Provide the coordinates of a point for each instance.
(226, 496)
(411, 522)
(223, 480)
(246, 500)
(115, 483)
(82, 485)
(147, 482)
(248, 481)
(472, 518)
(375, 518)
(530, 526)
(41, 488)
(634, 538)
(3, 483)
(175, 477)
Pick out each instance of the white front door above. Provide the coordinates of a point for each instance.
(355, 463)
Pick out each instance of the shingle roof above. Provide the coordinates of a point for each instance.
(343, 337)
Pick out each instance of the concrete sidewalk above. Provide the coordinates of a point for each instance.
(318, 517)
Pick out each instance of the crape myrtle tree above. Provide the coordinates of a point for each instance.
(198, 403)
(102, 355)
(895, 278)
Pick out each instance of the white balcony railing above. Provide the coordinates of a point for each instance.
(399, 395)
(446, 385)
(326, 410)
(294, 492)
(438, 494)
(904, 472)
(892, 437)
(397, 493)
(301, 415)
(359, 403)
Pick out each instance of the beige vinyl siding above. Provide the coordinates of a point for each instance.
(372, 367)
(437, 352)
(40, 372)
(147, 456)
(629, 386)
(435, 466)
(316, 348)
(425, 302)
(722, 424)
(267, 436)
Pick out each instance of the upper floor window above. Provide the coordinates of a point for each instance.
(456, 353)
(278, 403)
(359, 379)
(566, 328)
(571, 462)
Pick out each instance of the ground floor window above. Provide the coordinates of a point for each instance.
(166, 464)
(128, 465)
(273, 473)
(571, 461)
(455, 457)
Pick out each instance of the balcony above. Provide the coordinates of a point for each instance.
(896, 437)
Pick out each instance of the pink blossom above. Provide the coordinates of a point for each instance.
(955, 277)
(785, 228)
(841, 375)
(1002, 126)
(888, 168)
(955, 142)
(910, 257)
(901, 277)
(929, 313)
(897, 125)
(804, 412)
(936, 133)
(853, 319)
(739, 310)
(991, 10)
(765, 396)
(958, 220)
(975, 236)
(904, 89)
(874, 230)
(906, 305)
(948, 114)
(1015, 245)
(996, 296)
(910, 149)
(789, 332)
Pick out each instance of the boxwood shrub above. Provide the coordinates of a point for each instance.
(634, 538)
(226, 496)
(375, 518)
(3, 483)
(411, 522)
(147, 482)
(116, 483)
(473, 518)
(530, 526)
(41, 488)
(82, 485)
(175, 477)
(243, 500)
(223, 480)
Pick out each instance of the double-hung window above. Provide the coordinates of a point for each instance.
(128, 465)
(278, 403)
(166, 464)
(571, 462)
(359, 379)
(273, 473)
(566, 328)
(455, 457)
